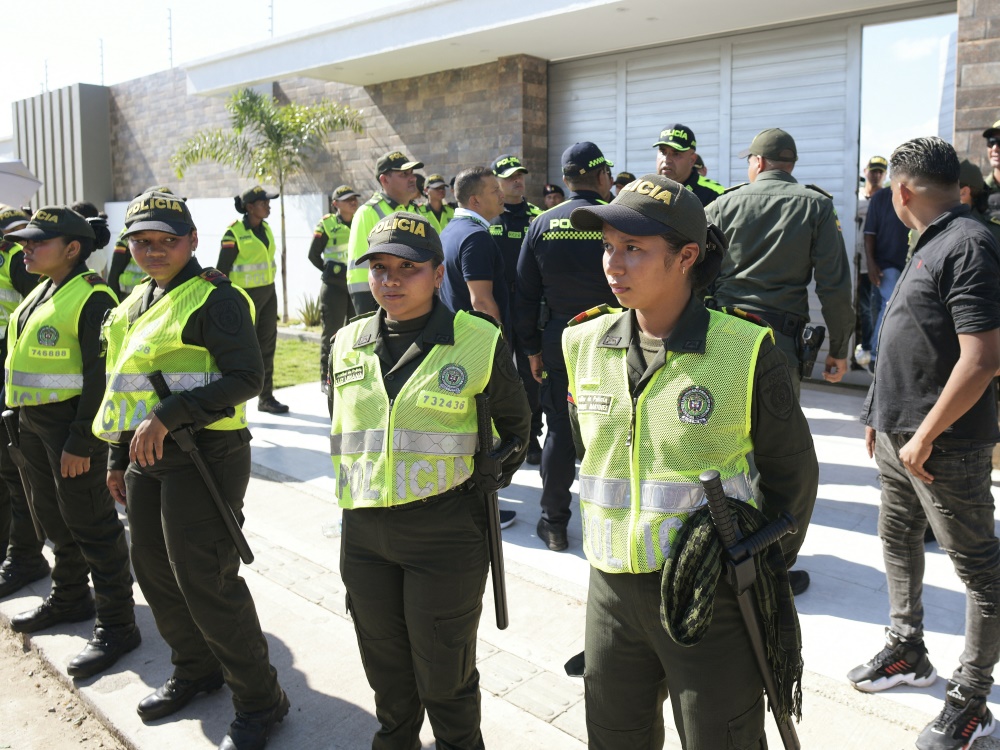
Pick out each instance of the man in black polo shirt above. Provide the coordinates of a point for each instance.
(886, 245)
(931, 425)
(676, 158)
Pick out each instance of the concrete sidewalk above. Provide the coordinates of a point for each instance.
(528, 702)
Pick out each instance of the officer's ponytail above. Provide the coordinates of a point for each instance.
(708, 269)
(102, 235)
(240, 206)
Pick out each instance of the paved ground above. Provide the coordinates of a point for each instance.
(528, 702)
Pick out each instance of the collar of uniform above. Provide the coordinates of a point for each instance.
(440, 328)
(516, 208)
(688, 336)
(941, 222)
(192, 269)
(587, 195)
(777, 175)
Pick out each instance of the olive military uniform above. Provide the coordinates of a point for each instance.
(328, 253)
(185, 563)
(415, 571)
(55, 412)
(781, 235)
(632, 663)
(262, 292)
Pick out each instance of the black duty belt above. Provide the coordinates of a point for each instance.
(788, 324)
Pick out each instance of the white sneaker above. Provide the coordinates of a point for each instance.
(862, 356)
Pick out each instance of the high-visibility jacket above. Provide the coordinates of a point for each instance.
(639, 476)
(10, 298)
(370, 214)
(44, 362)
(254, 265)
(447, 214)
(154, 342)
(338, 234)
(132, 274)
(422, 442)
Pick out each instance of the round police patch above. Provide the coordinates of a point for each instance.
(48, 336)
(226, 316)
(453, 378)
(776, 393)
(695, 405)
(2, 260)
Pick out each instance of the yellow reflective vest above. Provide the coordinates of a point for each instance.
(44, 363)
(132, 275)
(421, 443)
(447, 214)
(639, 476)
(10, 298)
(154, 342)
(338, 234)
(254, 265)
(376, 209)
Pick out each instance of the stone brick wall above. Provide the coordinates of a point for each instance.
(448, 120)
(977, 91)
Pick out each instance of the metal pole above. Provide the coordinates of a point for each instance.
(270, 16)
(170, 36)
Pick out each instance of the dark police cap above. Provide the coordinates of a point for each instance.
(395, 161)
(551, 189)
(506, 166)
(624, 178)
(774, 144)
(343, 192)
(678, 137)
(11, 218)
(405, 235)
(993, 130)
(583, 157)
(53, 221)
(257, 193)
(436, 181)
(969, 176)
(879, 163)
(649, 206)
(158, 212)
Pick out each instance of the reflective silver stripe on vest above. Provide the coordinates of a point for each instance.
(409, 441)
(10, 295)
(359, 286)
(45, 380)
(663, 497)
(378, 210)
(176, 381)
(362, 441)
(248, 267)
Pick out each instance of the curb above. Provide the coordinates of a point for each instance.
(299, 334)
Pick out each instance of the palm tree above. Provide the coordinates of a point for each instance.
(269, 142)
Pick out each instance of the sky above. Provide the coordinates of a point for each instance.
(902, 63)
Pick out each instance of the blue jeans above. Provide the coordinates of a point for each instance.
(884, 290)
(959, 508)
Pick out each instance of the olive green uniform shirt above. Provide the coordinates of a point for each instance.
(781, 235)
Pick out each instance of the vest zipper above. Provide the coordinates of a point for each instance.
(633, 522)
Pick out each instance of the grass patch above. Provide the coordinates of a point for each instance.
(295, 362)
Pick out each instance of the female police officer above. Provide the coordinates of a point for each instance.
(663, 391)
(55, 375)
(195, 328)
(414, 554)
(247, 257)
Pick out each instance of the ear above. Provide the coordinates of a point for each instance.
(194, 240)
(688, 255)
(73, 249)
(439, 275)
(905, 194)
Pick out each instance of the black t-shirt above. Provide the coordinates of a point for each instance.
(892, 238)
(951, 286)
(470, 254)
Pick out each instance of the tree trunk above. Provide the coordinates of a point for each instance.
(284, 257)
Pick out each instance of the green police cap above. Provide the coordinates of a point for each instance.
(158, 212)
(436, 181)
(969, 176)
(405, 235)
(993, 130)
(649, 206)
(395, 161)
(878, 162)
(343, 192)
(678, 137)
(53, 221)
(624, 178)
(506, 166)
(12, 218)
(774, 144)
(257, 193)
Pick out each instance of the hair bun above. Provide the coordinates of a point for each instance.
(238, 202)
(102, 235)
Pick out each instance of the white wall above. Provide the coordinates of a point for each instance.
(213, 215)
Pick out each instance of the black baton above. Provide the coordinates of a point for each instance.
(489, 463)
(14, 448)
(741, 574)
(184, 437)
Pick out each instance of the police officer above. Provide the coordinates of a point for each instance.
(992, 136)
(508, 231)
(124, 273)
(328, 253)
(552, 195)
(55, 379)
(197, 328)
(621, 180)
(659, 393)
(558, 276)
(782, 234)
(676, 158)
(414, 554)
(397, 192)
(22, 549)
(247, 257)
(436, 211)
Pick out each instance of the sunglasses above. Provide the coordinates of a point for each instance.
(992, 141)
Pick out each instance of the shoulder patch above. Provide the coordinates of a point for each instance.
(737, 312)
(485, 316)
(737, 186)
(226, 316)
(594, 312)
(215, 276)
(820, 190)
(708, 182)
(93, 278)
(776, 393)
